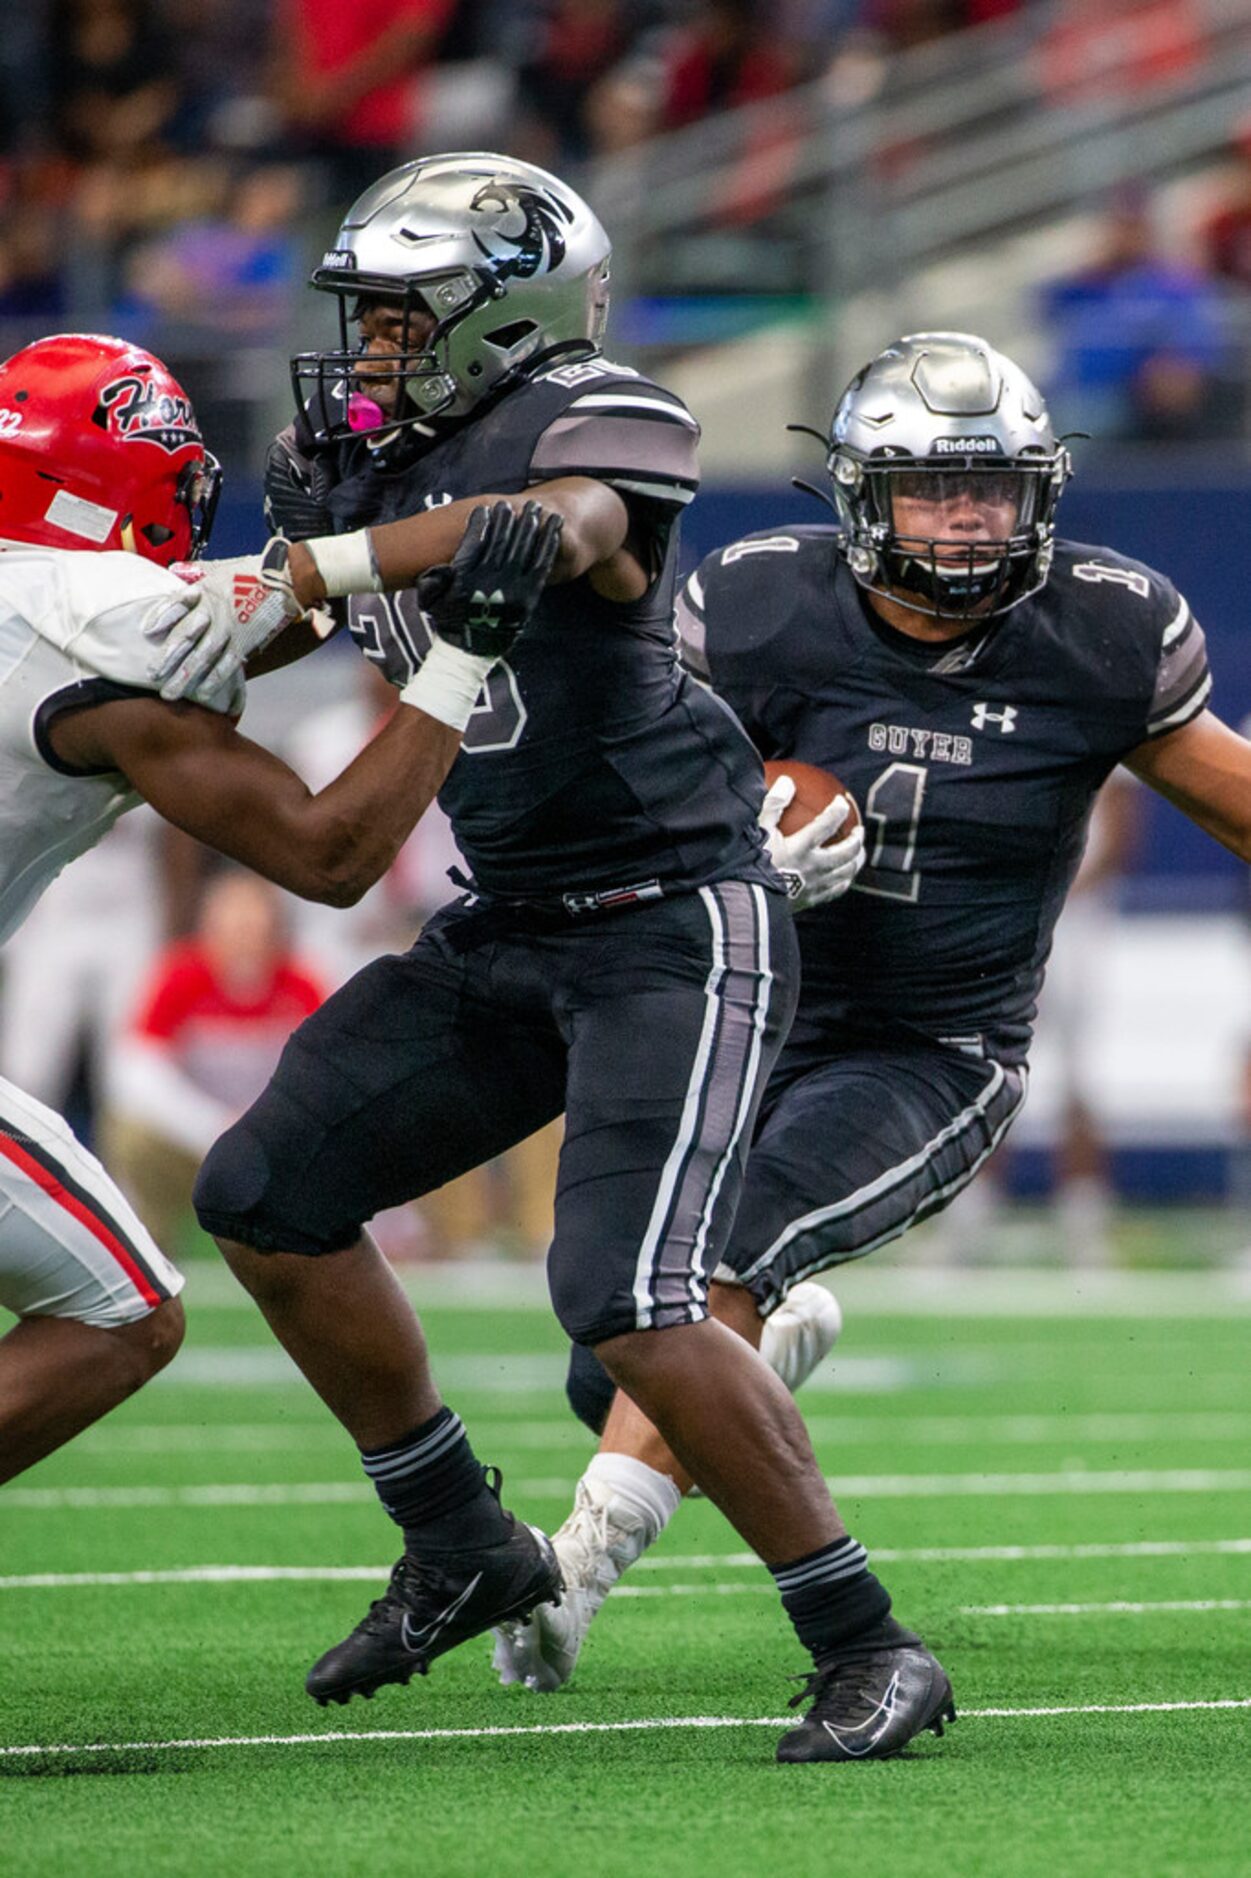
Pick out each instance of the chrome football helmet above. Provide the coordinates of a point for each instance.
(510, 264)
(945, 420)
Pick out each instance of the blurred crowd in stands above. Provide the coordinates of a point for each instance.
(167, 166)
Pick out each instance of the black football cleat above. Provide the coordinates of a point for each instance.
(434, 1603)
(870, 1702)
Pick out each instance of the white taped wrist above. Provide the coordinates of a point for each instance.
(448, 684)
(346, 563)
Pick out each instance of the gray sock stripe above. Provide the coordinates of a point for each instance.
(393, 1462)
(849, 1559)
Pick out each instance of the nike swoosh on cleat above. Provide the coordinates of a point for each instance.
(885, 1708)
(418, 1640)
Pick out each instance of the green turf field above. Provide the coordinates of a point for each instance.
(1052, 1472)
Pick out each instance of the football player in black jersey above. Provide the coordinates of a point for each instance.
(973, 681)
(624, 951)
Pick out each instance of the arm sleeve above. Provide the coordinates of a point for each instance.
(705, 616)
(692, 629)
(637, 438)
(1183, 682)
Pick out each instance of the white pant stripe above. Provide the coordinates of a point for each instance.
(898, 1176)
(729, 1048)
(676, 1161)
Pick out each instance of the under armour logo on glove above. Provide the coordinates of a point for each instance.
(483, 596)
(485, 609)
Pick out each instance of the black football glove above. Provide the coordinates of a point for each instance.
(297, 481)
(483, 596)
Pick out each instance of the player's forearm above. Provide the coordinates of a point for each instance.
(395, 554)
(1204, 769)
(239, 798)
(295, 641)
(338, 843)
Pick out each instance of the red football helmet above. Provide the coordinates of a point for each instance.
(99, 448)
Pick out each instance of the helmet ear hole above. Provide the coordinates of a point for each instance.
(504, 338)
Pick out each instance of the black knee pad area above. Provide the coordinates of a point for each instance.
(589, 1388)
(233, 1199)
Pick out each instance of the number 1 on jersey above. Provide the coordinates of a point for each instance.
(892, 813)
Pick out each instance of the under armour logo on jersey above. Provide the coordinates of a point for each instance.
(436, 502)
(1006, 719)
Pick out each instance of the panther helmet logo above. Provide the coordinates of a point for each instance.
(523, 236)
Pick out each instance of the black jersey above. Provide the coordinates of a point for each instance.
(592, 762)
(975, 764)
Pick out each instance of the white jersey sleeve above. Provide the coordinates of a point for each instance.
(92, 607)
(71, 635)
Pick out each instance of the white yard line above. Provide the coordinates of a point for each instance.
(904, 1290)
(265, 1366)
(1073, 1480)
(1116, 1607)
(561, 1431)
(694, 1561)
(650, 1724)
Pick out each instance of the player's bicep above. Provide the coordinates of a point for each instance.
(1204, 768)
(596, 524)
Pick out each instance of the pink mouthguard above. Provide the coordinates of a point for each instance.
(363, 413)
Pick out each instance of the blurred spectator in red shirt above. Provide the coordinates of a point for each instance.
(1094, 48)
(571, 46)
(729, 57)
(1226, 237)
(347, 80)
(204, 1042)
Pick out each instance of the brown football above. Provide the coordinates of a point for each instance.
(814, 788)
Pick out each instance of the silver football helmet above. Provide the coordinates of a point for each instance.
(945, 420)
(510, 264)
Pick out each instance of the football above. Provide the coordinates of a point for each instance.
(814, 788)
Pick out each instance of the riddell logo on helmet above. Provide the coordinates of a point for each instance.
(967, 446)
(134, 408)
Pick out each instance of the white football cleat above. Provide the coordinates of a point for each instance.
(801, 1333)
(594, 1546)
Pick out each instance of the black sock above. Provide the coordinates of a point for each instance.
(832, 1597)
(435, 1488)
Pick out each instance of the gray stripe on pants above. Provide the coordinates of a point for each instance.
(718, 1106)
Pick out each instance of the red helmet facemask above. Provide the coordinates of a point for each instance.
(99, 448)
